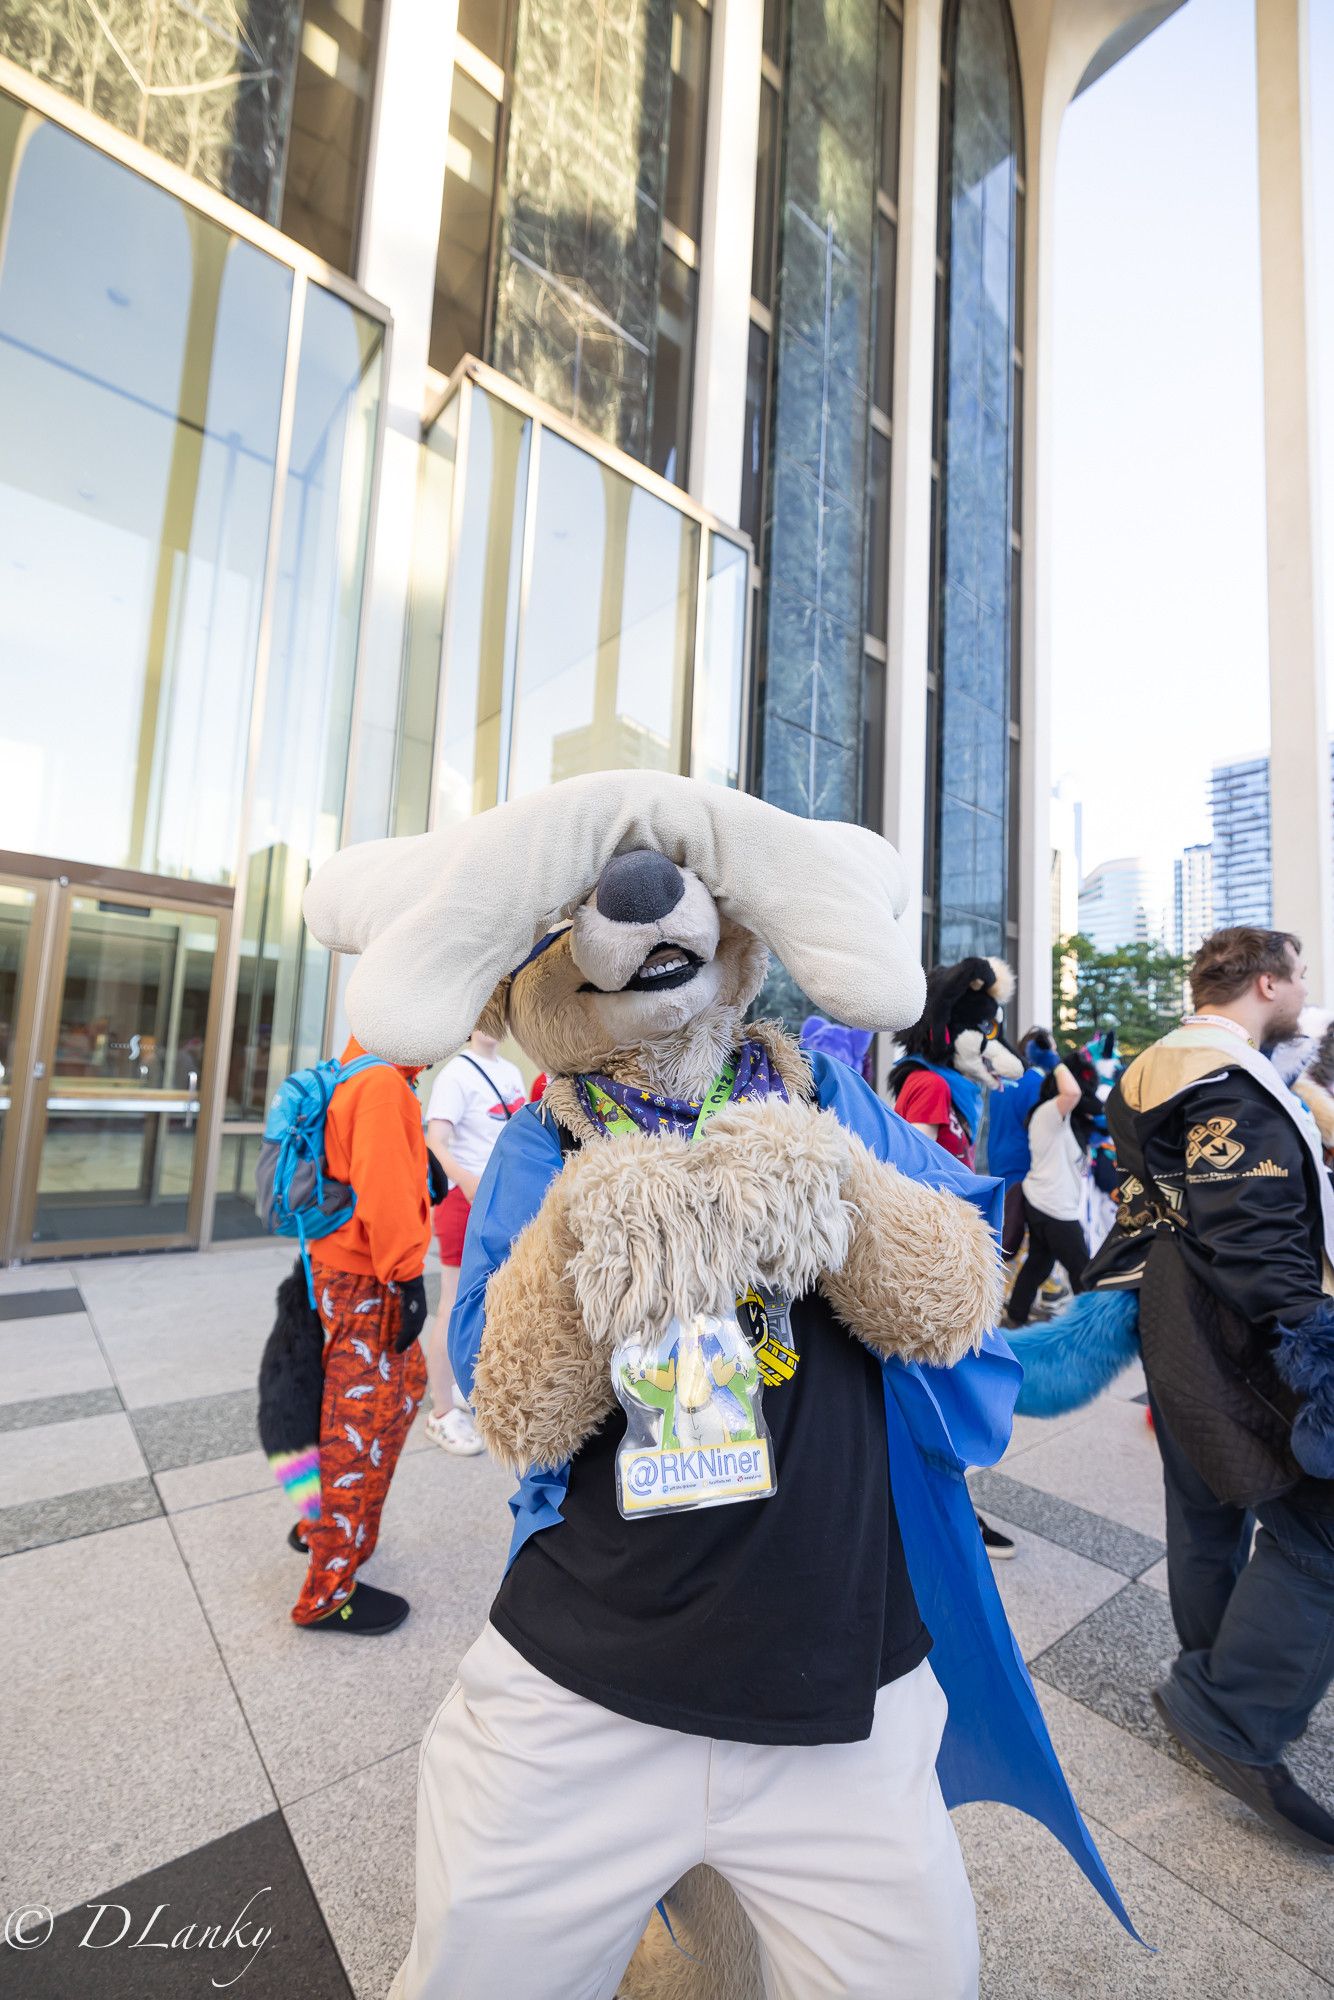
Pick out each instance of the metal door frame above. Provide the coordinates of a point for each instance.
(56, 884)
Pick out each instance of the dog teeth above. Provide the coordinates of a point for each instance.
(658, 971)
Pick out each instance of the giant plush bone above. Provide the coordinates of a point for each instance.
(439, 919)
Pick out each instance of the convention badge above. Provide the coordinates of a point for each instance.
(764, 1313)
(695, 1434)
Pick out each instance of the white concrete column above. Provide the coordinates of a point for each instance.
(1033, 998)
(1299, 791)
(910, 455)
(400, 237)
(718, 421)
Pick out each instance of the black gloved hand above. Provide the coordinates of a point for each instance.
(437, 1180)
(412, 1298)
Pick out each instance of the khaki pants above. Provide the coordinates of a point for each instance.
(547, 1828)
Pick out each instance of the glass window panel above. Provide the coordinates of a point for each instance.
(141, 365)
(753, 444)
(976, 652)
(482, 22)
(773, 30)
(16, 912)
(715, 738)
(609, 627)
(877, 539)
(234, 1216)
(297, 810)
(673, 360)
(325, 174)
(426, 621)
(891, 66)
(482, 608)
(686, 118)
(208, 88)
(886, 251)
(458, 320)
(873, 743)
(122, 1109)
(766, 197)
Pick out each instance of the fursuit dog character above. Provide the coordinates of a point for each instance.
(745, 1685)
(954, 1053)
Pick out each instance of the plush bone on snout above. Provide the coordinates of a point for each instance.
(609, 953)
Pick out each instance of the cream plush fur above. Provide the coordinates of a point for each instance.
(634, 1229)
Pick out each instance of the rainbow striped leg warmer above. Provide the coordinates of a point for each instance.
(298, 1473)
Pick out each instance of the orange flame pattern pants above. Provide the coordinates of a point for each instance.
(371, 1396)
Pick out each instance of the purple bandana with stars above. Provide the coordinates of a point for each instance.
(755, 1077)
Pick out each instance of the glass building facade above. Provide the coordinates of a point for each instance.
(189, 427)
(268, 587)
(971, 884)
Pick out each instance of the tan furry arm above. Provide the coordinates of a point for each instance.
(541, 1390)
(922, 1277)
(779, 1171)
(653, 1237)
(668, 1227)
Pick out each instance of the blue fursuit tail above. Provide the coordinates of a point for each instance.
(1072, 1358)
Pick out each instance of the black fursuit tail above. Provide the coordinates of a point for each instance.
(291, 1372)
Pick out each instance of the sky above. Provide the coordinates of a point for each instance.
(1159, 599)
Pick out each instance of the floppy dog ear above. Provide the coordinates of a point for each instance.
(1002, 984)
(494, 1018)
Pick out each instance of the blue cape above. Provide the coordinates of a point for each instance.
(939, 1421)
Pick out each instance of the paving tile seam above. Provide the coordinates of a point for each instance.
(332, 1784)
(40, 1412)
(993, 1488)
(1128, 1583)
(227, 1672)
(81, 1497)
(1100, 1826)
(1094, 1562)
(196, 1506)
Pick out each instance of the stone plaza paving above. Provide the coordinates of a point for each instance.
(171, 1740)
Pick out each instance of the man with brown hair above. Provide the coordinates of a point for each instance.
(1226, 1227)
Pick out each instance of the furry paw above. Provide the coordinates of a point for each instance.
(541, 1389)
(922, 1278)
(653, 1240)
(778, 1170)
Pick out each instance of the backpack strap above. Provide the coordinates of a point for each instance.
(465, 1057)
(358, 1063)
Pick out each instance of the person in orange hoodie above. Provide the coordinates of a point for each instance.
(371, 1297)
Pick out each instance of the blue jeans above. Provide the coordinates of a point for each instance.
(1256, 1628)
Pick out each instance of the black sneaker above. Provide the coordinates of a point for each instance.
(1270, 1790)
(368, 1611)
(296, 1540)
(998, 1546)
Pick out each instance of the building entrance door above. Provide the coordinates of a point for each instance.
(109, 1009)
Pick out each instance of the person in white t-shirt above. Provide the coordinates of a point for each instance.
(1053, 1190)
(472, 1100)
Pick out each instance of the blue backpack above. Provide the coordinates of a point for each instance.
(293, 1194)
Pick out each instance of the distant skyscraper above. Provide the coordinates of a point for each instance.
(1120, 904)
(1192, 898)
(1243, 871)
(1239, 809)
(1066, 813)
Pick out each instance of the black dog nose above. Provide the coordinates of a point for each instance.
(639, 887)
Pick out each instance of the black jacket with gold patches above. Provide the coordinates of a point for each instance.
(1219, 1229)
(1237, 1185)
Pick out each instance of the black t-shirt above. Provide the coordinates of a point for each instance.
(769, 1621)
